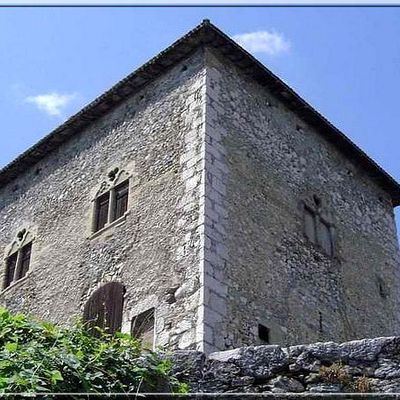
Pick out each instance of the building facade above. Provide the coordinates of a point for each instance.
(200, 203)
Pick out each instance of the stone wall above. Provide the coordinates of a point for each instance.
(271, 164)
(213, 238)
(155, 137)
(362, 366)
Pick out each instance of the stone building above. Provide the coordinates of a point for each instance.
(201, 203)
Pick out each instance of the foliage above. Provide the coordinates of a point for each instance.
(362, 384)
(335, 373)
(338, 373)
(41, 357)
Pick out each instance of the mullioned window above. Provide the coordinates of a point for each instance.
(112, 200)
(18, 259)
(317, 228)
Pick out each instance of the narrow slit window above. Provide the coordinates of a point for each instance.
(25, 261)
(325, 237)
(310, 224)
(102, 206)
(121, 199)
(11, 265)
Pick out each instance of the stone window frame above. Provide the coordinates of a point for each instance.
(23, 239)
(115, 178)
(317, 209)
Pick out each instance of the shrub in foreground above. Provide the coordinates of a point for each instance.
(41, 357)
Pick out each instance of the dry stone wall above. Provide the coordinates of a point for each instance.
(361, 366)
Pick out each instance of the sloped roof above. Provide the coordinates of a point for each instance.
(204, 34)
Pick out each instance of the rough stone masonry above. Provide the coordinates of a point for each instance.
(360, 366)
(250, 218)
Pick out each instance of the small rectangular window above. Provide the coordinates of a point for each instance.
(142, 328)
(263, 334)
(121, 199)
(102, 206)
(11, 264)
(25, 261)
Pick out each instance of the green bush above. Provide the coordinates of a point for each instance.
(41, 357)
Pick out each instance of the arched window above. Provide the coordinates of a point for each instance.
(104, 308)
(19, 258)
(111, 201)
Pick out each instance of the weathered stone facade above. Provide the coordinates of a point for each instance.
(272, 163)
(156, 137)
(220, 169)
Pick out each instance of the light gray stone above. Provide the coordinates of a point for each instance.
(286, 385)
(262, 362)
(366, 349)
(388, 370)
(154, 248)
(325, 388)
(226, 356)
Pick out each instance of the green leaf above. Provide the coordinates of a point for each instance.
(11, 347)
(56, 376)
(80, 354)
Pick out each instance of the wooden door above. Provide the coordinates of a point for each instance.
(104, 308)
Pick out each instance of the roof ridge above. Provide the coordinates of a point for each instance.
(99, 98)
(207, 34)
(305, 104)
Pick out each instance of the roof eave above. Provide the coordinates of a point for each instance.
(252, 67)
(105, 102)
(203, 34)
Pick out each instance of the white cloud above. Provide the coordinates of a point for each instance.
(51, 103)
(271, 43)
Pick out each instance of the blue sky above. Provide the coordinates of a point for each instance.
(344, 61)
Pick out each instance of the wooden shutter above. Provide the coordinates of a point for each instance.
(121, 199)
(25, 260)
(93, 314)
(102, 205)
(11, 264)
(104, 308)
(142, 328)
(114, 293)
